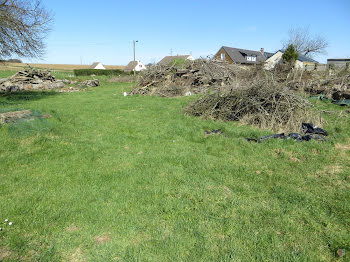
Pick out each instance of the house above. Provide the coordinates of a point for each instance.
(168, 59)
(276, 58)
(241, 56)
(97, 65)
(339, 62)
(134, 66)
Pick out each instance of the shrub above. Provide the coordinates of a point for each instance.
(99, 72)
(290, 55)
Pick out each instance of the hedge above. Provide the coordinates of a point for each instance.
(99, 72)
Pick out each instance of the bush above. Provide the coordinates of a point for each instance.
(99, 72)
(290, 55)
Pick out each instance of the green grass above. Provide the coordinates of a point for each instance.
(114, 178)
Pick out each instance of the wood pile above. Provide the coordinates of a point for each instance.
(195, 76)
(34, 79)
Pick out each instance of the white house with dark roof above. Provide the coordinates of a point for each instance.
(276, 58)
(241, 56)
(97, 65)
(135, 66)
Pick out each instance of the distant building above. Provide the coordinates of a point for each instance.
(276, 58)
(97, 65)
(134, 66)
(241, 56)
(168, 59)
(338, 62)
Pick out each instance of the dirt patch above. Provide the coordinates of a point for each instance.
(72, 228)
(15, 116)
(343, 147)
(77, 256)
(5, 253)
(10, 117)
(102, 239)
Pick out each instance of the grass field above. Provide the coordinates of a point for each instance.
(114, 178)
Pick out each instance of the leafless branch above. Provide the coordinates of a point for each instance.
(24, 25)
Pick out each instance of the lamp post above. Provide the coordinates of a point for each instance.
(135, 41)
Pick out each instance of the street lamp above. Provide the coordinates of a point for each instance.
(135, 41)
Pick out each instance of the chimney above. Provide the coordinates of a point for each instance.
(262, 51)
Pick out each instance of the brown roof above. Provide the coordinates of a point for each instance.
(131, 66)
(168, 59)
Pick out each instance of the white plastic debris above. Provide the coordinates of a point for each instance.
(6, 220)
(10, 223)
(188, 93)
(125, 93)
(0, 229)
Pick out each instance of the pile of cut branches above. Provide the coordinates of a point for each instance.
(263, 104)
(195, 76)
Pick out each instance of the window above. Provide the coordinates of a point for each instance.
(251, 58)
(223, 56)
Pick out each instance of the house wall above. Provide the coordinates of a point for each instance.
(191, 58)
(273, 61)
(99, 66)
(140, 67)
(316, 67)
(339, 63)
(227, 57)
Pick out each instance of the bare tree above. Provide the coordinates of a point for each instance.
(24, 25)
(305, 43)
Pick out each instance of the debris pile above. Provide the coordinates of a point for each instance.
(196, 77)
(90, 83)
(309, 132)
(30, 79)
(265, 105)
(34, 79)
(336, 87)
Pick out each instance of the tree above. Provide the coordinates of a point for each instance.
(290, 55)
(24, 25)
(305, 43)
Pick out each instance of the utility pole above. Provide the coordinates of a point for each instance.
(135, 41)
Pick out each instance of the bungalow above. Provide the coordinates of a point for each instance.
(276, 58)
(339, 62)
(134, 66)
(168, 59)
(241, 56)
(97, 65)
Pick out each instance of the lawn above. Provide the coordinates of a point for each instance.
(114, 178)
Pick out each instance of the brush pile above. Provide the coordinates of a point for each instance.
(264, 105)
(30, 79)
(336, 86)
(194, 76)
(34, 79)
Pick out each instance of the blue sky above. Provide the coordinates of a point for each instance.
(103, 30)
